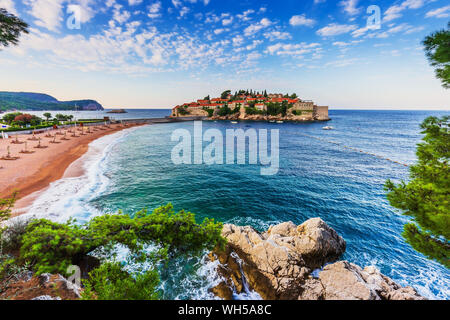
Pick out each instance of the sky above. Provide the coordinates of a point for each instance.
(348, 54)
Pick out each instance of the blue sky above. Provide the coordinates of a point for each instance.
(156, 54)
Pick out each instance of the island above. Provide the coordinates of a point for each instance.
(253, 105)
(118, 111)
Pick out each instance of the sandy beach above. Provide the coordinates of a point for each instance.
(35, 170)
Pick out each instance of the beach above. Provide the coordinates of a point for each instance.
(34, 171)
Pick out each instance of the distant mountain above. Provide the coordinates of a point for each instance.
(41, 101)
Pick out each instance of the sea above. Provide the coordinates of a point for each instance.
(337, 175)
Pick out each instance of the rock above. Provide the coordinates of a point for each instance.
(46, 298)
(318, 243)
(312, 289)
(274, 262)
(223, 290)
(346, 281)
(278, 264)
(44, 287)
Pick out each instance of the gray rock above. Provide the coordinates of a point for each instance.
(46, 298)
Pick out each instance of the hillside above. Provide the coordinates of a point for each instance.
(40, 101)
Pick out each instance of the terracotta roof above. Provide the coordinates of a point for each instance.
(219, 99)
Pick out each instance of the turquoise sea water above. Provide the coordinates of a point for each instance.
(316, 179)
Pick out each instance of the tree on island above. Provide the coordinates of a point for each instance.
(425, 198)
(225, 94)
(11, 27)
(437, 49)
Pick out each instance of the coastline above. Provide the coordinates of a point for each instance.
(33, 173)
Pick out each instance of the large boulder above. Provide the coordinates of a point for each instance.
(279, 264)
(314, 240)
(346, 281)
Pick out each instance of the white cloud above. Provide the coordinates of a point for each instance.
(237, 41)
(9, 6)
(403, 28)
(395, 11)
(341, 63)
(335, 29)
(176, 3)
(134, 2)
(254, 44)
(443, 12)
(154, 10)
(294, 49)
(119, 15)
(253, 56)
(227, 21)
(48, 13)
(277, 35)
(245, 15)
(350, 7)
(184, 11)
(253, 28)
(359, 32)
(301, 20)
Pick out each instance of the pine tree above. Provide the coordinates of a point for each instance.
(426, 197)
(10, 28)
(437, 49)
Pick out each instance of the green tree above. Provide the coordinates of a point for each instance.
(47, 115)
(5, 207)
(52, 247)
(437, 49)
(111, 282)
(8, 118)
(225, 94)
(10, 28)
(426, 197)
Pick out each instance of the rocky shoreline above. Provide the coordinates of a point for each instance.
(259, 117)
(292, 262)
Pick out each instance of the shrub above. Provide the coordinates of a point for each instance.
(111, 282)
(51, 247)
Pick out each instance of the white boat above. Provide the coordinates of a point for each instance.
(280, 121)
(234, 122)
(328, 128)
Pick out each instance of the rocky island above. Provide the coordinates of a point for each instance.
(117, 111)
(291, 262)
(253, 105)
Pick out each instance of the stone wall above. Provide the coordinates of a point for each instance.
(321, 113)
